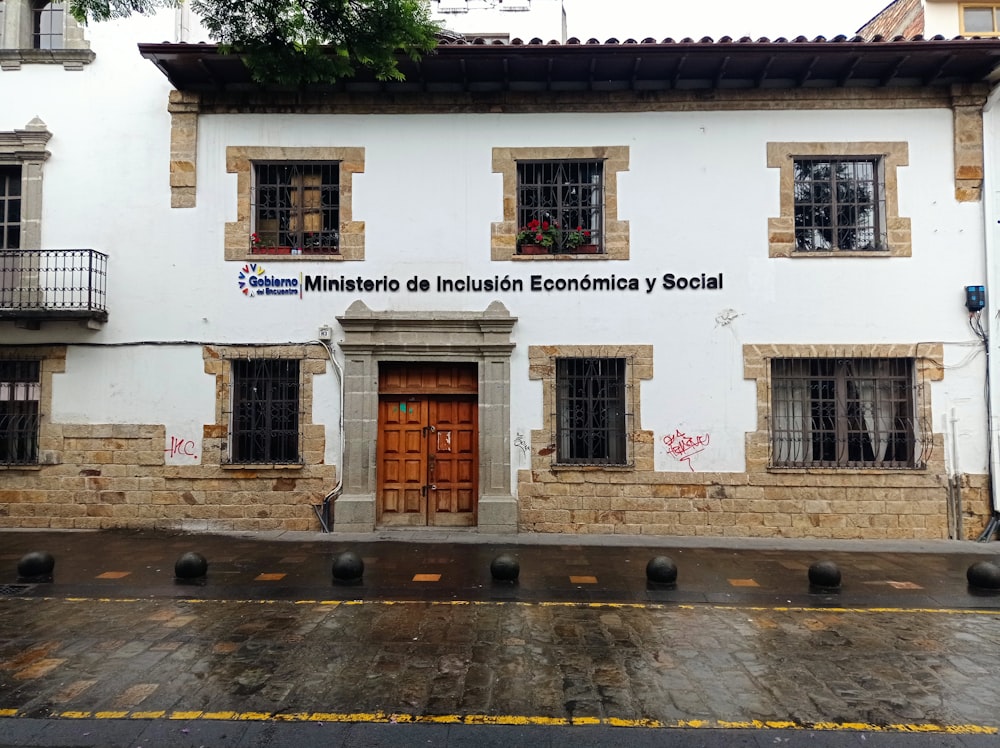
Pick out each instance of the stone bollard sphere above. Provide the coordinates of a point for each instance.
(190, 566)
(661, 570)
(824, 575)
(348, 567)
(505, 568)
(36, 565)
(984, 575)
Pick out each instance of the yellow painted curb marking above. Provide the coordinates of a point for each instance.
(512, 719)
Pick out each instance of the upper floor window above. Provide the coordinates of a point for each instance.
(19, 395)
(10, 206)
(560, 203)
(980, 20)
(47, 22)
(265, 411)
(591, 411)
(41, 31)
(560, 206)
(296, 208)
(839, 204)
(838, 200)
(844, 413)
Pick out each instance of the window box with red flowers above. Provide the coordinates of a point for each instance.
(541, 237)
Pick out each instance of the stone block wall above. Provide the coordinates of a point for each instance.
(114, 476)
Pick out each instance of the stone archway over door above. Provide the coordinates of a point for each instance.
(374, 338)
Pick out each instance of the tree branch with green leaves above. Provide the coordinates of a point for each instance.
(299, 42)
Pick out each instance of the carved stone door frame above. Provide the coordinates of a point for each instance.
(371, 337)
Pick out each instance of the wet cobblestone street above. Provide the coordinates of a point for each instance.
(630, 662)
(581, 640)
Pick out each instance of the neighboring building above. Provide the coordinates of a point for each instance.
(946, 18)
(677, 288)
(493, 21)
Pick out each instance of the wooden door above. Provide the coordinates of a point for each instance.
(428, 461)
(402, 461)
(452, 461)
(428, 444)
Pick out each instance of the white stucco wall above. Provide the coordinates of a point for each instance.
(697, 195)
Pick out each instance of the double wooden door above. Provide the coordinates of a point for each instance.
(427, 458)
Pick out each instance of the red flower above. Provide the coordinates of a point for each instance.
(545, 225)
(538, 238)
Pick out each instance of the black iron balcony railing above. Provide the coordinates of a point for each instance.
(38, 285)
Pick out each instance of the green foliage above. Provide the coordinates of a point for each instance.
(297, 42)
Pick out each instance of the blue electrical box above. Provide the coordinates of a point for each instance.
(975, 298)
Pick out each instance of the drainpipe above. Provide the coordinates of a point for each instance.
(991, 211)
(324, 510)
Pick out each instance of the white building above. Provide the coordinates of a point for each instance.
(747, 314)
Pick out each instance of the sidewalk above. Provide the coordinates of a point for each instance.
(451, 565)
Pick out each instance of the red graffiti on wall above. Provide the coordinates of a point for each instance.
(178, 446)
(683, 447)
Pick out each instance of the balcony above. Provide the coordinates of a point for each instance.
(53, 285)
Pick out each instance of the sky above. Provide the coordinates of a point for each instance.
(660, 19)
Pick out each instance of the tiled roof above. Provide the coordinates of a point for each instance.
(646, 65)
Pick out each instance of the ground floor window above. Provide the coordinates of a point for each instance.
(590, 411)
(844, 412)
(19, 394)
(265, 411)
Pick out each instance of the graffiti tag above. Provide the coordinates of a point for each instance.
(180, 447)
(683, 447)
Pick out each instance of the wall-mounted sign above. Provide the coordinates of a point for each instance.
(255, 281)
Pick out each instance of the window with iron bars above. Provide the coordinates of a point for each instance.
(296, 208)
(19, 393)
(591, 411)
(839, 205)
(560, 205)
(844, 413)
(265, 425)
(10, 207)
(47, 22)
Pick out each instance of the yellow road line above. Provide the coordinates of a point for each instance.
(511, 719)
(523, 603)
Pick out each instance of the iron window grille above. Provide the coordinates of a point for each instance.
(567, 197)
(47, 20)
(845, 413)
(20, 386)
(265, 426)
(296, 208)
(591, 412)
(839, 204)
(10, 207)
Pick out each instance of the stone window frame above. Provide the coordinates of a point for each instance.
(218, 363)
(503, 234)
(52, 360)
(26, 148)
(240, 161)
(15, 42)
(781, 229)
(928, 366)
(638, 367)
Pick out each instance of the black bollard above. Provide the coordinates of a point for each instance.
(36, 566)
(661, 571)
(505, 568)
(190, 567)
(824, 576)
(348, 568)
(983, 576)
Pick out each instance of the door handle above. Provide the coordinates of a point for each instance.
(432, 487)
